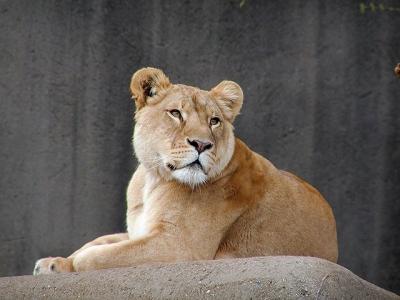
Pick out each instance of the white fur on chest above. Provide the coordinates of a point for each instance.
(140, 226)
(143, 223)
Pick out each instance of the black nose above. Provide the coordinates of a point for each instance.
(199, 145)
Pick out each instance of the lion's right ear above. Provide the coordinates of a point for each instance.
(147, 83)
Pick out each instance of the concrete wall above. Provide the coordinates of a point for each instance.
(321, 100)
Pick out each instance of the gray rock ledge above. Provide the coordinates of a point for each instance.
(274, 277)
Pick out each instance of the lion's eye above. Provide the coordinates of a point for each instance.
(176, 113)
(214, 121)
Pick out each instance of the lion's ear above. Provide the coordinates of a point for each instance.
(229, 97)
(147, 83)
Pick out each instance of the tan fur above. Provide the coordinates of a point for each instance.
(236, 205)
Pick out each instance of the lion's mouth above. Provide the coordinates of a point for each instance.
(195, 164)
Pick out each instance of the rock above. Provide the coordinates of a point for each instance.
(274, 277)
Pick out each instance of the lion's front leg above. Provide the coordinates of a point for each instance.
(54, 265)
(150, 249)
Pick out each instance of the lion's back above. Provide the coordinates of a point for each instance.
(292, 218)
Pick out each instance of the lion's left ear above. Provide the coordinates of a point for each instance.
(229, 97)
(147, 83)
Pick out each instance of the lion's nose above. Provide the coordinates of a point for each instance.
(200, 146)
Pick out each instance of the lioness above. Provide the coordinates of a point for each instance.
(201, 193)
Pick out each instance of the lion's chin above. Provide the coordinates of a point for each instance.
(191, 175)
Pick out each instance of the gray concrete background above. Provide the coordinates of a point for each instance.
(321, 100)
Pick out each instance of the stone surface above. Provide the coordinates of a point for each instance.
(253, 278)
(321, 100)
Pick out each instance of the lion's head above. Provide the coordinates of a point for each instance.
(182, 132)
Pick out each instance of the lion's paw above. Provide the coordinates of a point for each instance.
(53, 265)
